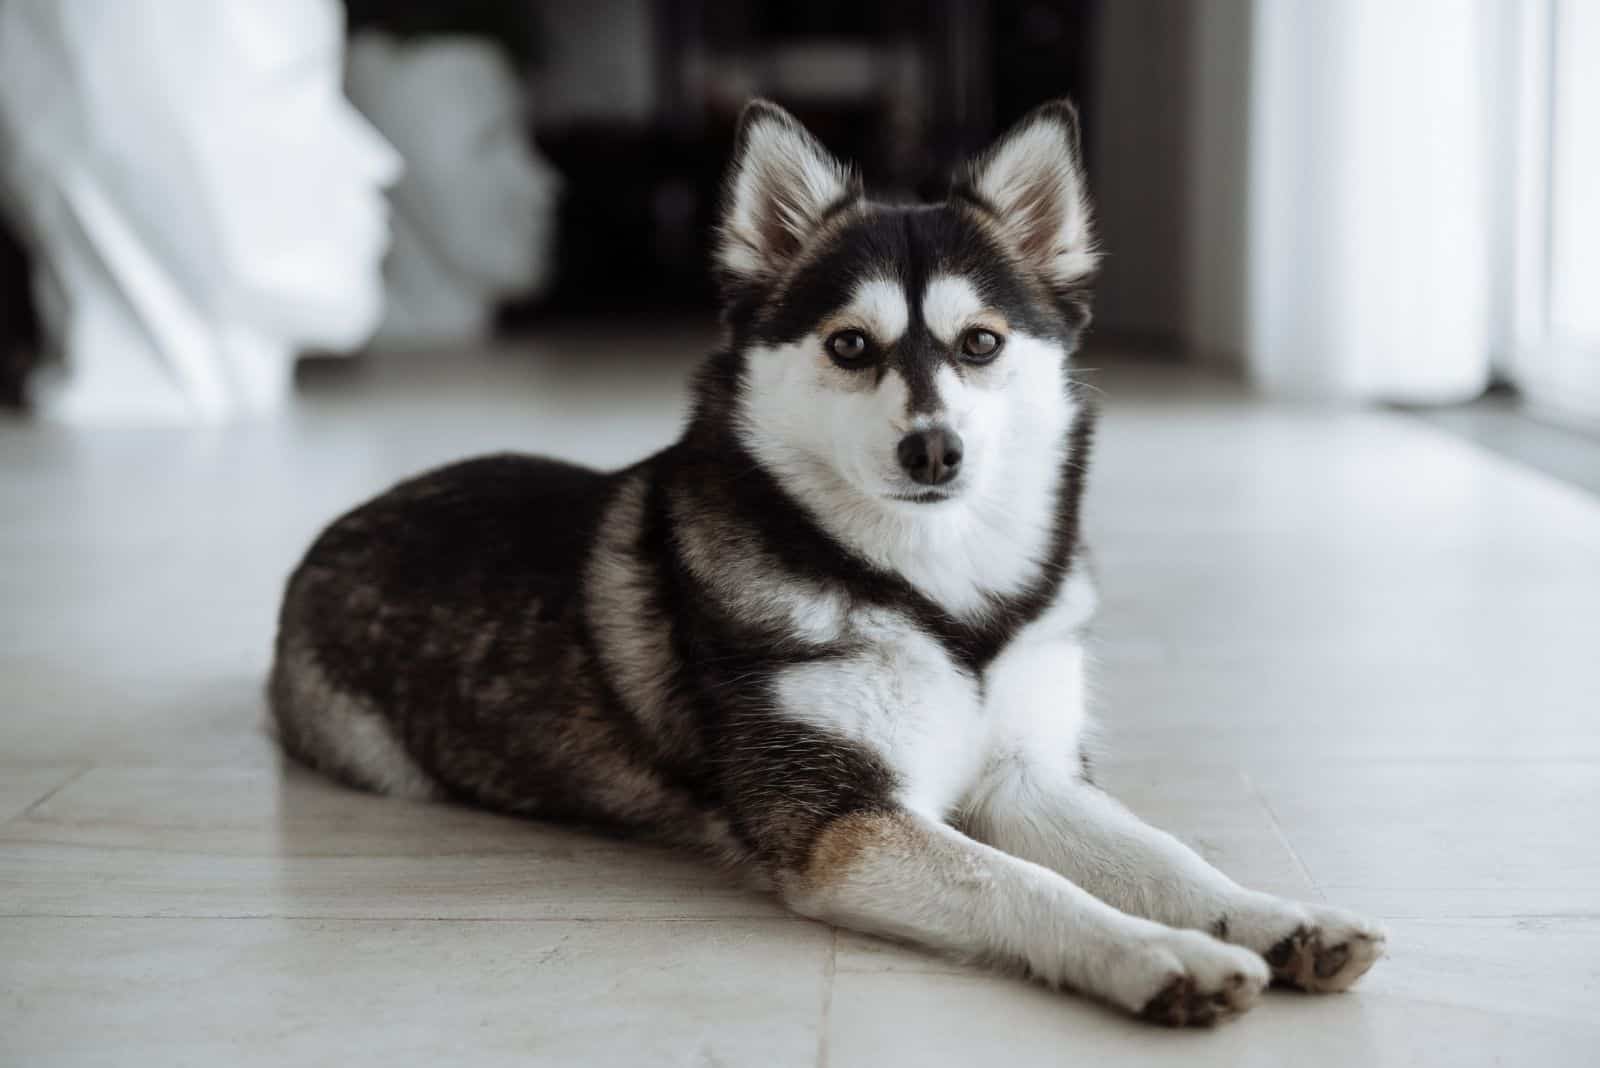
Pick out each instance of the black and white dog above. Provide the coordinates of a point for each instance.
(833, 634)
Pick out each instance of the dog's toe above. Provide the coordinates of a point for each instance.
(1327, 955)
(1200, 981)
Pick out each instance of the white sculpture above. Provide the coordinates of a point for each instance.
(474, 213)
(203, 199)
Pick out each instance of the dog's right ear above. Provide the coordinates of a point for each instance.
(781, 185)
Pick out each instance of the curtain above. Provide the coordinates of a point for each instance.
(1348, 195)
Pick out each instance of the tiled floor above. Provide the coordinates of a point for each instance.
(1347, 656)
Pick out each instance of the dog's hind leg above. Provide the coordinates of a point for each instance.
(896, 873)
(1050, 816)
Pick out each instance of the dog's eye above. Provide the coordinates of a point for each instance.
(849, 348)
(980, 345)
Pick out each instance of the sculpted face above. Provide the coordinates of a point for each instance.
(475, 190)
(219, 132)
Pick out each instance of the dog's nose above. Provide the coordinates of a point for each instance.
(931, 456)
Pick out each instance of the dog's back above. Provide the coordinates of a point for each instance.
(430, 635)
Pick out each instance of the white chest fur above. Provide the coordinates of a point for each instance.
(933, 722)
(1034, 691)
(902, 696)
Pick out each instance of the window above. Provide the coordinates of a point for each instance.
(1557, 364)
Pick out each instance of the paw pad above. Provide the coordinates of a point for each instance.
(1181, 1003)
(1311, 960)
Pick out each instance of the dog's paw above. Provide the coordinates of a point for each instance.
(1328, 953)
(1312, 947)
(1189, 979)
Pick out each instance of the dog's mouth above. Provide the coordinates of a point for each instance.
(924, 497)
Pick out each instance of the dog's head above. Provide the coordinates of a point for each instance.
(911, 356)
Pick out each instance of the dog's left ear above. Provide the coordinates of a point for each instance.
(1032, 180)
(780, 185)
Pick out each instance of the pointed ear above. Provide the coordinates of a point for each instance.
(1032, 180)
(780, 185)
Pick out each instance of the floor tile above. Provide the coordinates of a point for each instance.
(61, 712)
(1480, 826)
(23, 785)
(243, 842)
(881, 1018)
(1215, 810)
(1433, 903)
(278, 992)
(1537, 967)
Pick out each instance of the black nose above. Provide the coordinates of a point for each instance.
(930, 456)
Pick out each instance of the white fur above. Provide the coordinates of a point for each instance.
(346, 733)
(948, 738)
(950, 305)
(1033, 177)
(1075, 887)
(879, 305)
(926, 882)
(832, 445)
(1035, 687)
(901, 696)
(1032, 806)
(1031, 802)
(783, 175)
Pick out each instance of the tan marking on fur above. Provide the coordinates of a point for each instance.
(990, 320)
(842, 843)
(840, 321)
(747, 582)
(846, 321)
(635, 653)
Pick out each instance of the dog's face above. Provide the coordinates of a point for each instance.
(908, 356)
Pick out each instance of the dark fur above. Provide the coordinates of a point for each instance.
(460, 605)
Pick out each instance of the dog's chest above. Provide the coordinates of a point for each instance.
(902, 694)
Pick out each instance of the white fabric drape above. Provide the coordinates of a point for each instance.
(1368, 210)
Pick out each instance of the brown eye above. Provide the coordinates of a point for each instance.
(980, 346)
(849, 348)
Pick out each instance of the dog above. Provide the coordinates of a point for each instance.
(833, 636)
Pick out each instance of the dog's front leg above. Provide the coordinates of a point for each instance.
(1048, 814)
(896, 873)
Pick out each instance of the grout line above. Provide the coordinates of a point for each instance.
(1283, 837)
(830, 968)
(82, 770)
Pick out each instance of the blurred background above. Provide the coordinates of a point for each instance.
(1363, 200)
